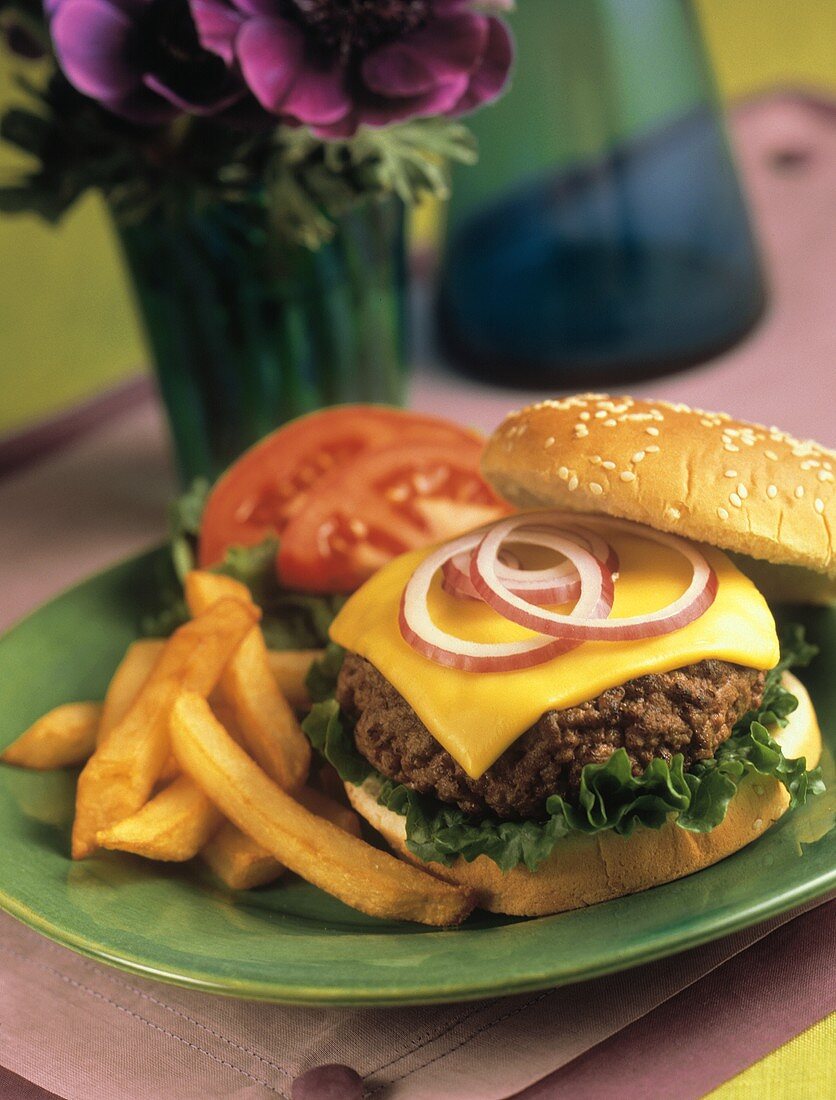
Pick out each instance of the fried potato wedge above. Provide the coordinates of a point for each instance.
(239, 861)
(172, 827)
(128, 679)
(63, 738)
(268, 725)
(339, 863)
(119, 776)
(290, 668)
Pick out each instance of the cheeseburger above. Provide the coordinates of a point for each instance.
(588, 697)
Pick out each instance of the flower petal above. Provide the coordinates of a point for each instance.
(271, 53)
(217, 25)
(319, 96)
(491, 76)
(92, 40)
(285, 79)
(377, 111)
(435, 54)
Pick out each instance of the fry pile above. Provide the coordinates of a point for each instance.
(197, 750)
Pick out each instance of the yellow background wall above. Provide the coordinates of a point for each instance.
(67, 329)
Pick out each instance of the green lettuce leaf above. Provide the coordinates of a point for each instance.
(292, 620)
(610, 796)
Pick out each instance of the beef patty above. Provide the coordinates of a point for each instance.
(689, 711)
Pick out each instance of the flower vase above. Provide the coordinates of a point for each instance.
(247, 331)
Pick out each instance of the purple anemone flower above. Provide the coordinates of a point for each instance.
(334, 66)
(141, 59)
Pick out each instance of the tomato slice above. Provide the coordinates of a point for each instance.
(385, 501)
(272, 482)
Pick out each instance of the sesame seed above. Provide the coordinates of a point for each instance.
(772, 491)
(706, 422)
(723, 513)
(799, 492)
(652, 449)
(673, 513)
(731, 473)
(735, 500)
(563, 473)
(610, 423)
(585, 415)
(825, 475)
(772, 455)
(581, 431)
(572, 484)
(730, 447)
(608, 465)
(549, 442)
(742, 491)
(601, 414)
(627, 475)
(818, 504)
(638, 456)
(596, 488)
(596, 460)
(652, 430)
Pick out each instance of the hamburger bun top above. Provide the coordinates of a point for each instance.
(706, 476)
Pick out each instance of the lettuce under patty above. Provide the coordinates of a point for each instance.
(610, 796)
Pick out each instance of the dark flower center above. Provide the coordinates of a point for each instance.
(355, 25)
(167, 45)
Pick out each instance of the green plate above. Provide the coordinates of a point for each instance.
(292, 943)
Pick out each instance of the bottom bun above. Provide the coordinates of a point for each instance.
(583, 870)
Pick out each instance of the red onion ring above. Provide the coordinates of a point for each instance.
(697, 598)
(555, 584)
(428, 639)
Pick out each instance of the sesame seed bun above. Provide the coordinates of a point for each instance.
(584, 870)
(742, 487)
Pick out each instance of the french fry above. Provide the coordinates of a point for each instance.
(268, 725)
(172, 827)
(63, 738)
(128, 679)
(320, 804)
(238, 861)
(325, 855)
(290, 668)
(119, 776)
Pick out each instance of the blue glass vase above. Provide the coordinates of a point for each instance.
(603, 236)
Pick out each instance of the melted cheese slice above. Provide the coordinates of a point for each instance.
(475, 716)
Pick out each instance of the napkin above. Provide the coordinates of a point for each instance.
(85, 1031)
